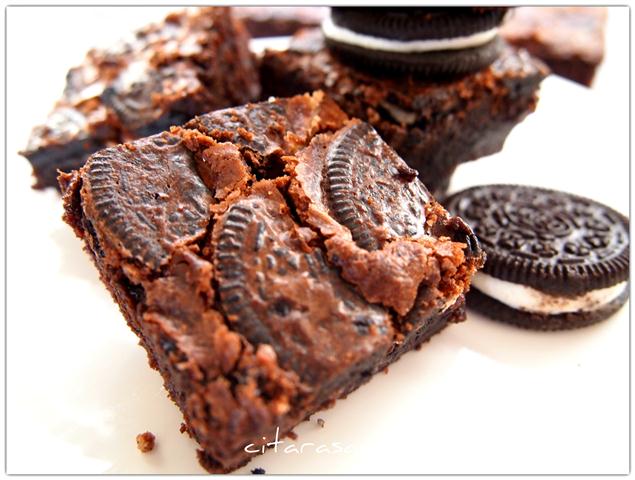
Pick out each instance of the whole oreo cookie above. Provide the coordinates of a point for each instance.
(554, 260)
(430, 41)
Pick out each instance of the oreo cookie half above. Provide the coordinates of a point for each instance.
(372, 210)
(554, 260)
(431, 41)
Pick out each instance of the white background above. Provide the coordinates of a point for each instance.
(481, 397)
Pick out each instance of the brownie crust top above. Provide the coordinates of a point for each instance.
(275, 253)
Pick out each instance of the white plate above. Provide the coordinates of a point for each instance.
(481, 397)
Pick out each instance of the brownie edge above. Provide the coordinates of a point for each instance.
(433, 124)
(192, 62)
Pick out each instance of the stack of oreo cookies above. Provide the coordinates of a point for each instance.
(432, 41)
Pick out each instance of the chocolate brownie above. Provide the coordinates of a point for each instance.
(193, 62)
(570, 40)
(554, 260)
(271, 258)
(279, 21)
(432, 124)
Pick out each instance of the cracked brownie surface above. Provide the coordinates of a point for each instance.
(164, 74)
(434, 124)
(271, 258)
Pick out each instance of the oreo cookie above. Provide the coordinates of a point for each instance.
(429, 41)
(270, 281)
(134, 196)
(373, 210)
(554, 260)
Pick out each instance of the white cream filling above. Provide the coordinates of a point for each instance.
(344, 35)
(521, 297)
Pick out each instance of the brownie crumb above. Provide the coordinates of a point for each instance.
(292, 435)
(320, 422)
(183, 428)
(145, 442)
(258, 471)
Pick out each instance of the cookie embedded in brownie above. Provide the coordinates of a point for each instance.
(264, 267)
(434, 122)
(570, 40)
(193, 62)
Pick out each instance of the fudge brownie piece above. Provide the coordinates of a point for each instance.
(193, 62)
(271, 258)
(570, 40)
(432, 124)
(279, 21)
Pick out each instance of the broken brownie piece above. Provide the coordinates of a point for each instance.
(433, 124)
(271, 258)
(570, 40)
(193, 62)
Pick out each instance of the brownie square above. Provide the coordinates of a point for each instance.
(570, 40)
(193, 62)
(433, 124)
(271, 258)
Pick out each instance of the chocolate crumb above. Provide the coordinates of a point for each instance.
(145, 442)
(321, 422)
(183, 429)
(292, 435)
(247, 135)
(258, 471)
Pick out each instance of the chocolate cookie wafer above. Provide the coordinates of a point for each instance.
(554, 260)
(430, 41)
